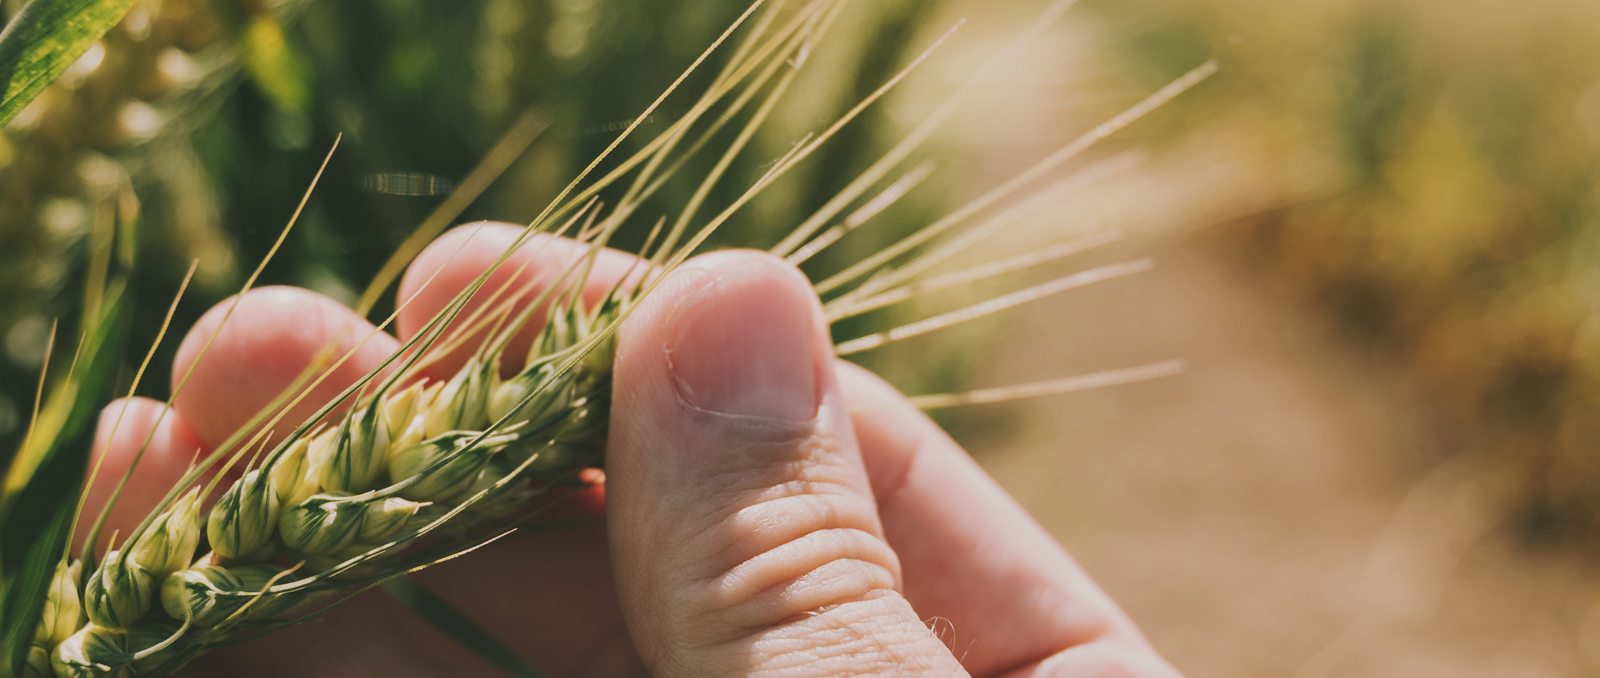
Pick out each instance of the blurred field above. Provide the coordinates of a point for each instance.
(204, 122)
(1453, 231)
(1376, 254)
(1278, 510)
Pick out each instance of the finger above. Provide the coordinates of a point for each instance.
(264, 346)
(744, 532)
(452, 262)
(121, 432)
(974, 558)
(547, 593)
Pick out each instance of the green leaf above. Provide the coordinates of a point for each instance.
(39, 491)
(29, 580)
(458, 626)
(44, 39)
(42, 486)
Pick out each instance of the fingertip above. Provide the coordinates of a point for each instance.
(444, 267)
(733, 333)
(262, 345)
(454, 260)
(750, 342)
(121, 433)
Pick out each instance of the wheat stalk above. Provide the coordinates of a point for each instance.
(417, 471)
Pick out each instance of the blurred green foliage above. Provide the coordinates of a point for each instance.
(1460, 235)
(218, 114)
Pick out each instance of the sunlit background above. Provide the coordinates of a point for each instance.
(1375, 233)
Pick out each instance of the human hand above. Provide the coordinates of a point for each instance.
(766, 510)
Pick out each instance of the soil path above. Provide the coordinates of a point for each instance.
(1277, 510)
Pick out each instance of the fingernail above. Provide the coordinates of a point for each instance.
(744, 345)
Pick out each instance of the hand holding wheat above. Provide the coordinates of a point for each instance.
(766, 509)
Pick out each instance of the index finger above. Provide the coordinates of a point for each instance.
(972, 556)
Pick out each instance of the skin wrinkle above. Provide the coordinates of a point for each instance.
(748, 584)
(812, 468)
(865, 657)
(782, 519)
(828, 596)
(772, 606)
(843, 582)
(910, 448)
(834, 574)
(713, 514)
(814, 456)
(840, 505)
(761, 436)
(867, 637)
(810, 460)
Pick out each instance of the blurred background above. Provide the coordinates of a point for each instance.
(1376, 235)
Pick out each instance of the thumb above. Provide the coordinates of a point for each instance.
(743, 528)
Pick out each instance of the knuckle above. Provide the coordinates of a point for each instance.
(779, 520)
(808, 576)
(795, 554)
(878, 635)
